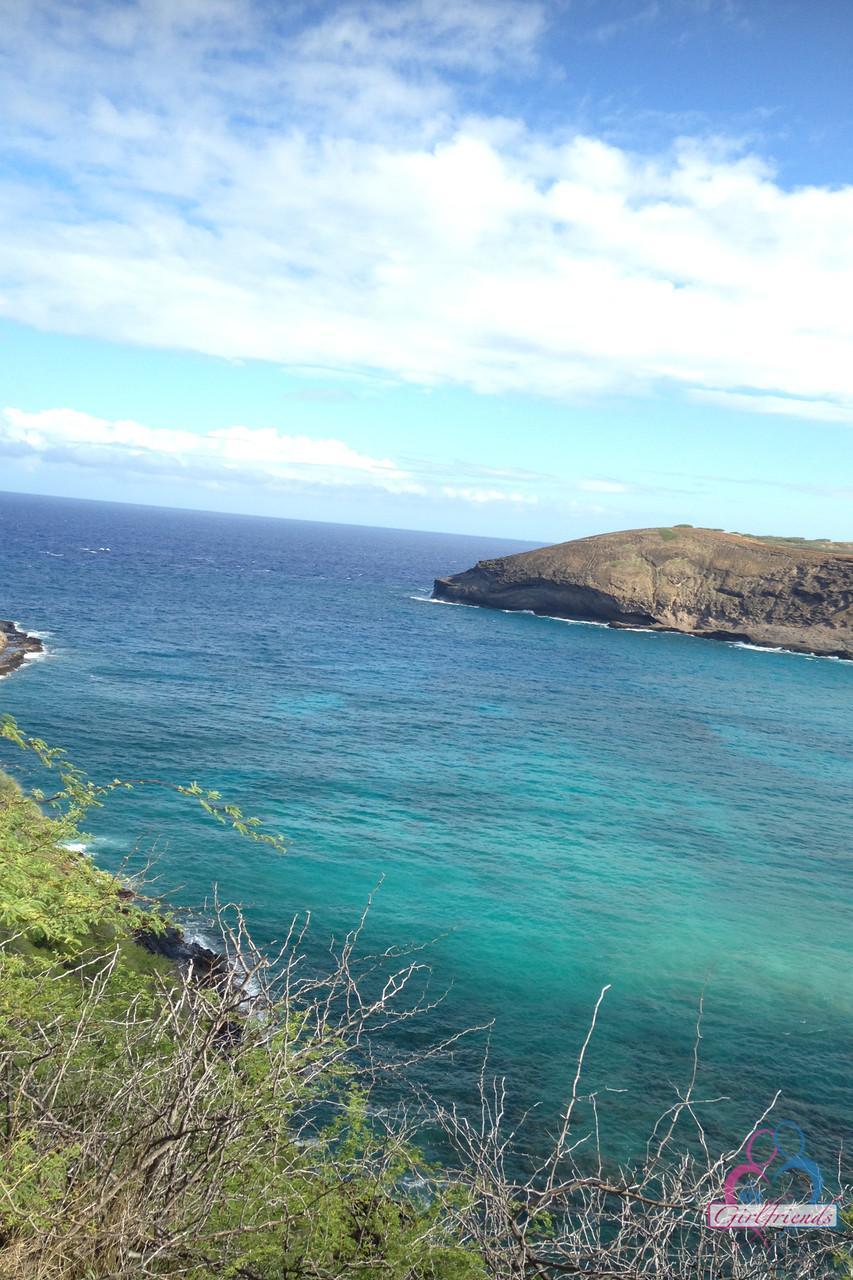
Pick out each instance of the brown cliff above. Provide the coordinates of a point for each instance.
(783, 593)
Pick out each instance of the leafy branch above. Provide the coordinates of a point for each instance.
(79, 794)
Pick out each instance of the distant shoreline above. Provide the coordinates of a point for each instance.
(15, 646)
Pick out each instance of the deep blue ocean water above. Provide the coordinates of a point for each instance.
(558, 806)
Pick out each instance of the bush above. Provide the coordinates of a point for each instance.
(219, 1123)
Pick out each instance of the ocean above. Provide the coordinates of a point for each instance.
(548, 807)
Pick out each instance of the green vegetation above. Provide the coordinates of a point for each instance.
(819, 544)
(221, 1123)
(149, 1126)
(53, 902)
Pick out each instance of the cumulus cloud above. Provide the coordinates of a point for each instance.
(235, 453)
(268, 457)
(251, 181)
(261, 456)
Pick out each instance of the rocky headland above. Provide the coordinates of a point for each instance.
(774, 592)
(14, 647)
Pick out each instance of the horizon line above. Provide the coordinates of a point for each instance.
(251, 515)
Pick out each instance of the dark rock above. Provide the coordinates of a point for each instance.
(14, 647)
(209, 967)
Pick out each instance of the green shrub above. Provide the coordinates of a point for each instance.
(220, 1124)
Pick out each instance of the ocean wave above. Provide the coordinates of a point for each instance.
(109, 842)
(525, 613)
(576, 622)
(28, 659)
(650, 631)
(456, 604)
(29, 631)
(764, 648)
(200, 934)
(793, 653)
(197, 935)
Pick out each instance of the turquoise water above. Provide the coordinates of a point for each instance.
(558, 806)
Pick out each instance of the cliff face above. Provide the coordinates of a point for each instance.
(701, 582)
(14, 647)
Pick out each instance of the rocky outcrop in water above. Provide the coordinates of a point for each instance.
(14, 647)
(776, 592)
(210, 968)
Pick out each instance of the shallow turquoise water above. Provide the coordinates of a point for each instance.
(558, 805)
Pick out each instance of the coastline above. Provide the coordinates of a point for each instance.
(15, 647)
(171, 943)
(738, 639)
(767, 593)
(208, 967)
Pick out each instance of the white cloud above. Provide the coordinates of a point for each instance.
(227, 456)
(787, 406)
(228, 177)
(472, 36)
(232, 453)
(639, 17)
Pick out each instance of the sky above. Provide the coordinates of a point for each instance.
(535, 270)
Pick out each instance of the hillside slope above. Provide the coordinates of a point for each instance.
(704, 582)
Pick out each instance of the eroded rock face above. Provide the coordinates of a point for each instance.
(14, 647)
(701, 582)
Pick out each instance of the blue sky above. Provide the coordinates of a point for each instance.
(537, 270)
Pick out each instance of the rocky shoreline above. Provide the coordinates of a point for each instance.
(15, 646)
(780, 593)
(209, 967)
